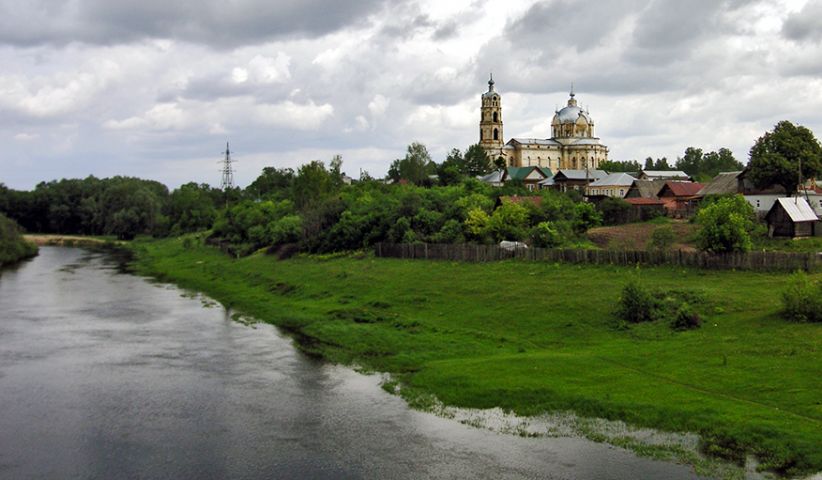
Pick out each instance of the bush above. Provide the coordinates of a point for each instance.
(726, 225)
(686, 318)
(615, 211)
(12, 245)
(636, 304)
(802, 300)
(662, 238)
(545, 235)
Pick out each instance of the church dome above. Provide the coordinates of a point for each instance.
(572, 114)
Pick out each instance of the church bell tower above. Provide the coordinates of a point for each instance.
(491, 122)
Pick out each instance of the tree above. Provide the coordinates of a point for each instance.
(312, 184)
(776, 156)
(620, 166)
(477, 161)
(706, 166)
(272, 181)
(415, 167)
(452, 169)
(662, 164)
(726, 225)
(191, 208)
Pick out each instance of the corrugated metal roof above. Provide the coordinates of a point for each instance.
(664, 174)
(614, 179)
(722, 184)
(521, 173)
(580, 174)
(493, 177)
(648, 188)
(798, 209)
(682, 189)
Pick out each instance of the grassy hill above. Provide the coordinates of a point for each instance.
(537, 337)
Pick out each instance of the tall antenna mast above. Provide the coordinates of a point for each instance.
(228, 172)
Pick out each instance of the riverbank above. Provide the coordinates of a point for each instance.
(534, 338)
(57, 240)
(13, 247)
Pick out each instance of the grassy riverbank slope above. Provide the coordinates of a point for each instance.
(535, 337)
(13, 247)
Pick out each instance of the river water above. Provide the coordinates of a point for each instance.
(107, 375)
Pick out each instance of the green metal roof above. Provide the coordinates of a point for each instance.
(520, 173)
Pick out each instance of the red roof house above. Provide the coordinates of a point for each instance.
(680, 197)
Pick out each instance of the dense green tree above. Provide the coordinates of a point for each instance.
(725, 225)
(477, 161)
(452, 169)
(312, 184)
(776, 156)
(708, 165)
(191, 208)
(415, 167)
(272, 182)
(620, 166)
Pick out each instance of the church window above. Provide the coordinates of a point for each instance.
(496, 134)
(495, 117)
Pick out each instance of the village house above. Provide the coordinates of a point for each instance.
(645, 189)
(761, 199)
(614, 185)
(529, 176)
(680, 198)
(791, 217)
(565, 180)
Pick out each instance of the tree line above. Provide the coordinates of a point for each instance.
(315, 208)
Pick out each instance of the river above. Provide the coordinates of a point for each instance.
(108, 375)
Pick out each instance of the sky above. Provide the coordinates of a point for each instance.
(155, 88)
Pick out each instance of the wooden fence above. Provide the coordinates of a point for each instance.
(764, 261)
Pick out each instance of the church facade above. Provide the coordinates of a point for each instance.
(572, 145)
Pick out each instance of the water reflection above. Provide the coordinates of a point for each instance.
(106, 375)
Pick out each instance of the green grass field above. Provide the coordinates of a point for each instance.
(536, 337)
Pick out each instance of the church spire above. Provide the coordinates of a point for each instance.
(491, 82)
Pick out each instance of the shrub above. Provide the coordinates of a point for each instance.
(662, 238)
(686, 318)
(545, 235)
(726, 225)
(615, 211)
(636, 304)
(508, 222)
(802, 300)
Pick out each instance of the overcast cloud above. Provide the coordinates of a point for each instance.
(154, 89)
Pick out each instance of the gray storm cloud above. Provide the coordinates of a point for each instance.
(155, 88)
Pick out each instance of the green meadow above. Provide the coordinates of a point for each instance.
(539, 337)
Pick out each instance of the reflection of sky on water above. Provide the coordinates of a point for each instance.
(105, 375)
